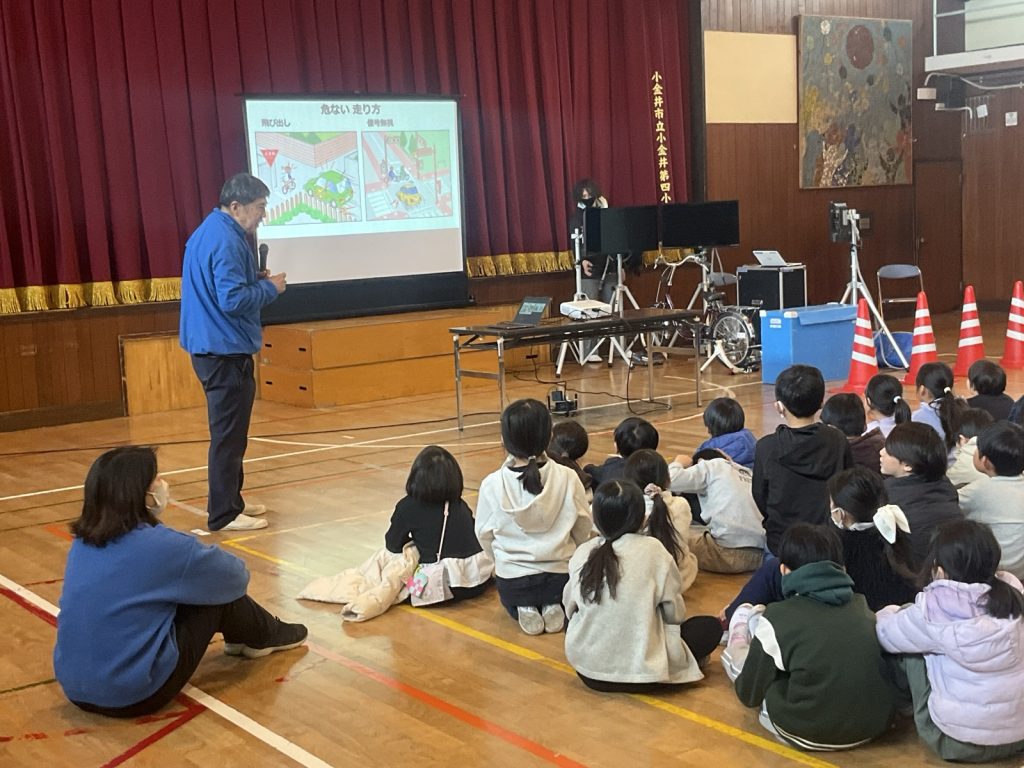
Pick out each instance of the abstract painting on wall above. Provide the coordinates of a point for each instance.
(855, 102)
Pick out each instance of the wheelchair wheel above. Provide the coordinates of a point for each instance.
(737, 336)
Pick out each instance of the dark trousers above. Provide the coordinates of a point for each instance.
(537, 590)
(764, 587)
(241, 621)
(230, 389)
(701, 635)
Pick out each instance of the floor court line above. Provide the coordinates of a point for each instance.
(48, 612)
(448, 708)
(192, 711)
(681, 712)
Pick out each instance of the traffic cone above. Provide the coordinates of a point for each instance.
(1013, 352)
(971, 346)
(923, 350)
(863, 364)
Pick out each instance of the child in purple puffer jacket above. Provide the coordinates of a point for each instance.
(724, 419)
(963, 641)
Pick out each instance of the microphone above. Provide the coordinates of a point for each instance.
(264, 250)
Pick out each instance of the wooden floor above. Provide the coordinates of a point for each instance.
(457, 685)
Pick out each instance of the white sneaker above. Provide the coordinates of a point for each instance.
(554, 618)
(245, 523)
(594, 358)
(252, 510)
(530, 620)
(739, 630)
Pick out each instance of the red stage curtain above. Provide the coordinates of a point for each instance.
(120, 120)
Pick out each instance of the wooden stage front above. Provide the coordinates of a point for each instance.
(455, 685)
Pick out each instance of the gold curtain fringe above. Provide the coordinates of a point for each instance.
(37, 298)
(33, 298)
(67, 296)
(9, 303)
(165, 288)
(100, 294)
(537, 262)
(131, 291)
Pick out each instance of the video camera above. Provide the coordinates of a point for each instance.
(841, 221)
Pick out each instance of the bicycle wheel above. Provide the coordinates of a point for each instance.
(736, 335)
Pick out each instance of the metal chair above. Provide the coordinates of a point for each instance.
(898, 272)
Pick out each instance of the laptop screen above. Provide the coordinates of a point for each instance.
(532, 309)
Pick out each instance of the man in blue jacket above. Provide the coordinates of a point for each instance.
(222, 293)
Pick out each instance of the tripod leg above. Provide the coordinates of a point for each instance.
(881, 324)
(561, 358)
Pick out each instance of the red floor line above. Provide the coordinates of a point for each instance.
(60, 531)
(14, 597)
(449, 709)
(155, 736)
(39, 583)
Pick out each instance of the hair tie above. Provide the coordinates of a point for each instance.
(888, 519)
(947, 391)
(651, 490)
(531, 458)
(896, 399)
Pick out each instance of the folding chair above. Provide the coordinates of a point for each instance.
(898, 272)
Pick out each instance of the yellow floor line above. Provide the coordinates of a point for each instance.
(768, 745)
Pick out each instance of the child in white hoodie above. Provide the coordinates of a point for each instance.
(962, 648)
(530, 516)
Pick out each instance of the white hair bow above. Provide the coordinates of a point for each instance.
(651, 490)
(887, 519)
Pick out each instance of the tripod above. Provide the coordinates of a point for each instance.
(622, 292)
(856, 285)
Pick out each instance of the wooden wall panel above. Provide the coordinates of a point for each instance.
(993, 181)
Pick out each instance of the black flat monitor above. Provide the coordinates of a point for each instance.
(622, 230)
(689, 225)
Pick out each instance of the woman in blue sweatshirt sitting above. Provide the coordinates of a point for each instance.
(141, 601)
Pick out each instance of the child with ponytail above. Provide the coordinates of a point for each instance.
(626, 631)
(962, 648)
(530, 516)
(667, 517)
(886, 406)
(940, 408)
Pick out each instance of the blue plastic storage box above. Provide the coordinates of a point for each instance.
(821, 336)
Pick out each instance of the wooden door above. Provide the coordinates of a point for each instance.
(938, 232)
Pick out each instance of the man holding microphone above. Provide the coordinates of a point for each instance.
(222, 293)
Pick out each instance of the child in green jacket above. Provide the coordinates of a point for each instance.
(812, 662)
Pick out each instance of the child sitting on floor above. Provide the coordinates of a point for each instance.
(998, 498)
(433, 507)
(972, 422)
(531, 515)
(570, 443)
(961, 646)
(631, 435)
(886, 406)
(667, 517)
(732, 537)
(724, 420)
(845, 412)
(988, 381)
(940, 408)
(626, 631)
(811, 661)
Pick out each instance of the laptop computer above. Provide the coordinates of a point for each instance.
(771, 259)
(529, 313)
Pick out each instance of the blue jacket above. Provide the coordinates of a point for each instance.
(115, 632)
(221, 294)
(739, 446)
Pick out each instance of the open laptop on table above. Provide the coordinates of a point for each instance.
(529, 314)
(772, 259)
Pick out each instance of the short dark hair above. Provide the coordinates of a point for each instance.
(801, 389)
(568, 440)
(635, 433)
(707, 454)
(723, 415)
(858, 491)
(115, 495)
(242, 188)
(986, 377)
(973, 421)
(435, 477)
(525, 433)
(585, 184)
(803, 544)
(845, 412)
(1002, 443)
(920, 447)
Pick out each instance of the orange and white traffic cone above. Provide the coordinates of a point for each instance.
(1013, 352)
(863, 363)
(971, 347)
(923, 350)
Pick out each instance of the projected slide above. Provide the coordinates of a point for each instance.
(359, 188)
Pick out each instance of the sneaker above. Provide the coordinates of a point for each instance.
(554, 618)
(245, 523)
(253, 510)
(285, 637)
(594, 358)
(530, 620)
(739, 631)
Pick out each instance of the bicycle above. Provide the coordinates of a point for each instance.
(728, 332)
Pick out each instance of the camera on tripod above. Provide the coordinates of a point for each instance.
(841, 222)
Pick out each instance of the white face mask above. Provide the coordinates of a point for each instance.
(161, 495)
